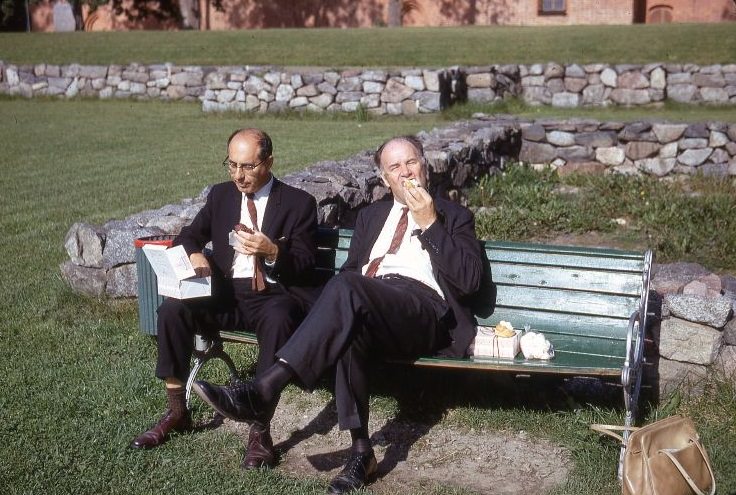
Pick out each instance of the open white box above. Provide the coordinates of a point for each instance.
(489, 345)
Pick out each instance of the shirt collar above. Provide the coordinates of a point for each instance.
(264, 191)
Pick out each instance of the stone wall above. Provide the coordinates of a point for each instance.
(697, 332)
(378, 91)
(576, 85)
(654, 148)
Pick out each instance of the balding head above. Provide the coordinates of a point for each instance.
(401, 164)
(249, 159)
(260, 138)
(412, 140)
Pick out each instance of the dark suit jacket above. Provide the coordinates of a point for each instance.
(455, 254)
(290, 220)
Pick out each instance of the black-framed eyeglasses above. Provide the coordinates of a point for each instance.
(233, 167)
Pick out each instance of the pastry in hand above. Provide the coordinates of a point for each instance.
(504, 329)
(411, 183)
(239, 227)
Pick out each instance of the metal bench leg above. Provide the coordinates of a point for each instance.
(204, 351)
(631, 379)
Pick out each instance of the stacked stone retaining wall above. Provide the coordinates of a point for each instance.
(697, 333)
(654, 148)
(378, 91)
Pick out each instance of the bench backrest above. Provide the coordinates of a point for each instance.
(581, 298)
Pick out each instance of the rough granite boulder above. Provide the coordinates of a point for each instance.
(84, 243)
(671, 278)
(122, 281)
(84, 279)
(726, 363)
(714, 312)
(729, 332)
(119, 247)
(677, 376)
(684, 341)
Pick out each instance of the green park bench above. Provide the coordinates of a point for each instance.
(590, 303)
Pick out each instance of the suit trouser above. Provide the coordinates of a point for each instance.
(272, 315)
(357, 319)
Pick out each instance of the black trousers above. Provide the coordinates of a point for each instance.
(272, 315)
(357, 319)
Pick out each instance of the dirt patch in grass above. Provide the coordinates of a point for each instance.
(412, 457)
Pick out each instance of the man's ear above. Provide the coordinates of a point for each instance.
(382, 178)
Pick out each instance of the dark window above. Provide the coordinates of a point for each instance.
(660, 14)
(551, 6)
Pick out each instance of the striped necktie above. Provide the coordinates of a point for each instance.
(395, 243)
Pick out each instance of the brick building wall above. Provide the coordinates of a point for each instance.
(250, 14)
(690, 10)
(518, 13)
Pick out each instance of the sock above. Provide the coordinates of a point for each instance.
(272, 381)
(361, 442)
(177, 398)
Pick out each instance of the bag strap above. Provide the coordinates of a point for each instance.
(684, 473)
(609, 430)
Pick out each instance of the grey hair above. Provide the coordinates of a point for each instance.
(412, 140)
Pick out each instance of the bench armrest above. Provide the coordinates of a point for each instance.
(634, 349)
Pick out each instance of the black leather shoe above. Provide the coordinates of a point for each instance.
(161, 430)
(240, 402)
(359, 470)
(259, 453)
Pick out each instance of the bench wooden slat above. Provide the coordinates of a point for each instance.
(561, 364)
(541, 258)
(567, 278)
(545, 321)
(557, 248)
(566, 301)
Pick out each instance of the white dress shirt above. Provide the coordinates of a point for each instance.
(411, 260)
(243, 263)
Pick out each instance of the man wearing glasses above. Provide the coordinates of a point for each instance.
(263, 235)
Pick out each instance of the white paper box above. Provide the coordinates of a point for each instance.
(175, 273)
(489, 345)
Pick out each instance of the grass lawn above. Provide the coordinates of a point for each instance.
(78, 377)
(383, 47)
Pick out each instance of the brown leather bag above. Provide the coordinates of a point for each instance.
(664, 458)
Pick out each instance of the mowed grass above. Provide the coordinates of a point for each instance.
(78, 376)
(383, 47)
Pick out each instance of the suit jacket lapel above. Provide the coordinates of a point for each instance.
(374, 227)
(233, 205)
(272, 209)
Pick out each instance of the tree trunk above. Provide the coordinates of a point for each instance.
(77, 11)
(394, 13)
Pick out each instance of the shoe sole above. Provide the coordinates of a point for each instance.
(202, 395)
(370, 478)
(262, 465)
